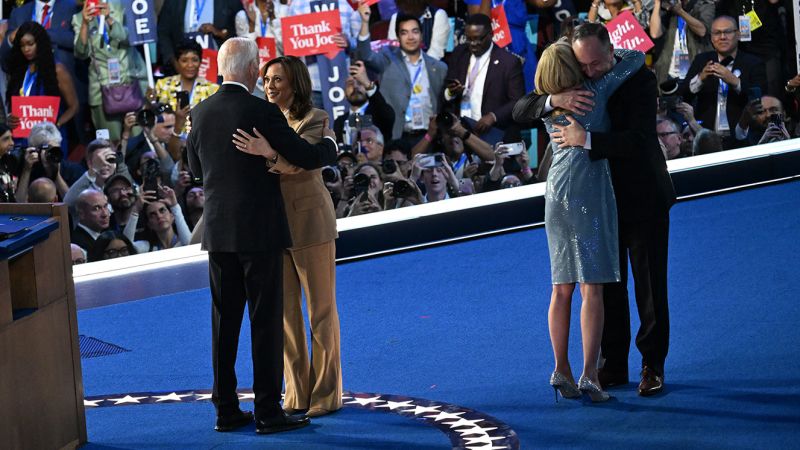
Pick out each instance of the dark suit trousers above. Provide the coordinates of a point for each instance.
(645, 242)
(255, 279)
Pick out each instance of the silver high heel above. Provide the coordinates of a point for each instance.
(562, 384)
(594, 391)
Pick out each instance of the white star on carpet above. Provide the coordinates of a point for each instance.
(175, 397)
(394, 405)
(91, 402)
(366, 401)
(203, 397)
(463, 423)
(126, 399)
(422, 410)
(445, 415)
(485, 439)
(474, 430)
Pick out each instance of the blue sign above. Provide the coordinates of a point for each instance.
(141, 21)
(333, 75)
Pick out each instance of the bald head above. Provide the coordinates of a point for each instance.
(238, 61)
(42, 190)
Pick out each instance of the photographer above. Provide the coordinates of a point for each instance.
(6, 180)
(682, 34)
(446, 125)
(126, 203)
(762, 121)
(367, 190)
(365, 99)
(508, 162)
(158, 131)
(166, 227)
(339, 182)
(398, 189)
(102, 162)
(43, 158)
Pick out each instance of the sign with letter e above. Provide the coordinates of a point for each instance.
(625, 32)
(141, 20)
(311, 34)
(32, 110)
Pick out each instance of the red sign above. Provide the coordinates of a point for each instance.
(266, 50)
(32, 110)
(354, 4)
(311, 34)
(501, 33)
(625, 32)
(208, 65)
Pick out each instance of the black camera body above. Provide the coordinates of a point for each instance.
(403, 188)
(389, 166)
(146, 117)
(14, 161)
(669, 102)
(360, 183)
(445, 120)
(150, 175)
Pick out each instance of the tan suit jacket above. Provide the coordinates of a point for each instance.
(309, 208)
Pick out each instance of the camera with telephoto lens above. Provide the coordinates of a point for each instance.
(146, 117)
(445, 120)
(403, 188)
(14, 161)
(669, 102)
(360, 183)
(330, 174)
(389, 166)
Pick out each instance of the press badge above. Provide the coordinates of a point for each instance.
(744, 28)
(415, 107)
(114, 71)
(755, 22)
(466, 107)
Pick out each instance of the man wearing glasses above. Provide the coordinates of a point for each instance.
(483, 81)
(719, 81)
(670, 138)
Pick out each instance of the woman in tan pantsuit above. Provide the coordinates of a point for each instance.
(314, 386)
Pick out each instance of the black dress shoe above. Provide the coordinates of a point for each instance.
(233, 421)
(610, 378)
(280, 422)
(652, 383)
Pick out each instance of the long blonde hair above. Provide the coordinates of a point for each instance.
(557, 70)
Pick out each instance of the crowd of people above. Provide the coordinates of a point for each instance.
(428, 117)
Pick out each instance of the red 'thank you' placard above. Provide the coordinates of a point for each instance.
(266, 50)
(208, 65)
(354, 3)
(32, 110)
(625, 32)
(501, 33)
(311, 34)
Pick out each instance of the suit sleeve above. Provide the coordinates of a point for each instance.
(630, 133)
(64, 37)
(516, 89)
(191, 153)
(382, 114)
(291, 146)
(374, 61)
(529, 108)
(694, 69)
(166, 22)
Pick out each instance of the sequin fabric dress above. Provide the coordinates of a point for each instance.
(580, 208)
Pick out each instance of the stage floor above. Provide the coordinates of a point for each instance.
(448, 347)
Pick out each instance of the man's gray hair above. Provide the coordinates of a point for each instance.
(236, 55)
(377, 131)
(44, 133)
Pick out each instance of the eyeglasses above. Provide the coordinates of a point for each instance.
(79, 261)
(480, 39)
(729, 32)
(120, 190)
(116, 252)
(667, 133)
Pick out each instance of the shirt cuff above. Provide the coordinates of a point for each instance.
(363, 38)
(741, 133)
(695, 85)
(547, 106)
(372, 91)
(588, 144)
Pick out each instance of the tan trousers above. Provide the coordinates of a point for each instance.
(317, 384)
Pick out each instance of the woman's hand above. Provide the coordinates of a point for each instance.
(168, 196)
(254, 145)
(180, 117)
(88, 12)
(127, 124)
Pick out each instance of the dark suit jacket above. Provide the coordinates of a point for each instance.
(642, 185)
(81, 238)
(170, 24)
(60, 31)
(753, 74)
(382, 117)
(244, 210)
(504, 84)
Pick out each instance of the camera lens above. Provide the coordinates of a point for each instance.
(402, 188)
(360, 183)
(329, 175)
(54, 155)
(389, 166)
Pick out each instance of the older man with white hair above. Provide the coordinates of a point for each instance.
(44, 157)
(246, 232)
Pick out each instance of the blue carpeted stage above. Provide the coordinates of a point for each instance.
(448, 347)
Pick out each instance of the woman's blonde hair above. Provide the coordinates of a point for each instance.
(557, 70)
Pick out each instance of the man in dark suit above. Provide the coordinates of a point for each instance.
(93, 218)
(172, 26)
(644, 194)
(365, 98)
(483, 80)
(246, 231)
(720, 80)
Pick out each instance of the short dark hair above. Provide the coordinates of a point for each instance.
(402, 18)
(98, 249)
(397, 145)
(590, 29)
(4, 129)
(187, 45)
(96, 145)
(480, 20)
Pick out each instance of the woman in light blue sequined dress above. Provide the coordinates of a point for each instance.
(580, 216)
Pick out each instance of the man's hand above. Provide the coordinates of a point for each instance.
(578, 101)
(127, 124)
(254, 145)
(485, 122)
(341, 40)
(31, 158)
(364, 12)
(685, 110)
(455, 87)
(794, 82)
(774, 133)
(572, 135)
(753, 109)
(716, 69)
(359, 73)
(12, 121)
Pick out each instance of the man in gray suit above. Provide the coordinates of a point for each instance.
(411, 81)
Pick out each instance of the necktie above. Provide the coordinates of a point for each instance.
(473, 74)
(45, 19)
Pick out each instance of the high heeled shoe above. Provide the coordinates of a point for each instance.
(562, 384)
(595, 393)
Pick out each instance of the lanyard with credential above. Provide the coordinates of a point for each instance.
(414, 80)
(106, 38)
(263, 23)
(198, 11)
(28, 82)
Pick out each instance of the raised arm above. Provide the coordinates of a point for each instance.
(630, 62)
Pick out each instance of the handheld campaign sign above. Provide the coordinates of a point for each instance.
(141, 21)
(625, 32)
(208, 65)
(266, 49)
(311, 34)
(32, 110)
(501, 33)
